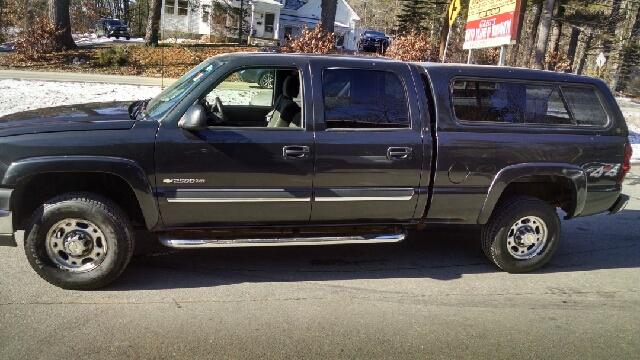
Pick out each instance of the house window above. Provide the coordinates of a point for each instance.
(169, 6)
(205, 13)
(268, 22)
(183, 7)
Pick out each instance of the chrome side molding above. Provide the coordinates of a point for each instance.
(318, 240)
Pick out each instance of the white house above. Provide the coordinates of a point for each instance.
(298, 14)
(269, 19)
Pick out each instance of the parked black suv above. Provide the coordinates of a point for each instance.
(373, 41)
(355, 150)
(112, 27)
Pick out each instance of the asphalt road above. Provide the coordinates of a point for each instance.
(435, 297)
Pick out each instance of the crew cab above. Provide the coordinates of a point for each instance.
(339, 150)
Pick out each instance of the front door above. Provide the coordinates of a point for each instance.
(238, 170)
(269, 19)
(368, 143)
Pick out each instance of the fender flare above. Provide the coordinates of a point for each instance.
(504, 177)
(126, 169)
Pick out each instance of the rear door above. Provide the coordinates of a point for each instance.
(368, 141)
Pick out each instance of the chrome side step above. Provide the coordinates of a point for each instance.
(319, 240)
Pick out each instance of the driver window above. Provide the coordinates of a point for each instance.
(256, 98)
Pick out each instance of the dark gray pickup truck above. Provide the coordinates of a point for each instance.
(339, 150)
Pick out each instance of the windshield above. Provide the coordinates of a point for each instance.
(170, 96)
(114, 22)
(373, 33)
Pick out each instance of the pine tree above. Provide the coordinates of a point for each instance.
(413, 16)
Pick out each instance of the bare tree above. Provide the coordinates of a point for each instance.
(153, 24)
(543, 34)
(58, 12)
(328, 15)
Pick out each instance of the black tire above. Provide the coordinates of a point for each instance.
(522, 234)
(265, 80)
(117, 37)
(86, 223)
(128, 37)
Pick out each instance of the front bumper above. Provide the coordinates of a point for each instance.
(619, 205)
(118, 33)
(7, 237)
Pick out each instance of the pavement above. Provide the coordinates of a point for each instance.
(82, 77)
(434, 297)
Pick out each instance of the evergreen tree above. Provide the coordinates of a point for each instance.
(413, 16)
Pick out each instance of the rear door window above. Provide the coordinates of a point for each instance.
(356, 98)
(520, 103)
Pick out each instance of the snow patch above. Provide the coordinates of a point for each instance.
(22, 95)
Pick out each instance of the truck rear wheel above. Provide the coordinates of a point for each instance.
(79, 241)
(522, 234)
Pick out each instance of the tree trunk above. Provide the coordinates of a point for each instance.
(583, 58)
(153, 24)
(125, 5)
(543, 36)
(573, 46)
(328, 15)
(526, 54)
(58, 11)
(557, 32)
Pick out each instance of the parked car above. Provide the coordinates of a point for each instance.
(263, 77)
(112, 27)
(373, 41)
(371, 152)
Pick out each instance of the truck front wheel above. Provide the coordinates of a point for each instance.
(79, 241)
(522, 234)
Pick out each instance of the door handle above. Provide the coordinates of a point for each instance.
(296, 152)
(399, 153)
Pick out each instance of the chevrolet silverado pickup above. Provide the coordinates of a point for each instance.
(339, 150)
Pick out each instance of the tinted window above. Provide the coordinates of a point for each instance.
(364, 99)
(521, 103)
(585, 106)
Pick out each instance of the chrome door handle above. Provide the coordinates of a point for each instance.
(296, 152)
(399, 153)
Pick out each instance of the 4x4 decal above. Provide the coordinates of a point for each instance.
(599, 170)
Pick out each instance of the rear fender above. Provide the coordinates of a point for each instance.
(507, 175)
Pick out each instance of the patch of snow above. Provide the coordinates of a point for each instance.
(93, 39)
(32, 94)
(22, 95)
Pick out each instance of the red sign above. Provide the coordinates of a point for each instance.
(491, 23)
(489, 32)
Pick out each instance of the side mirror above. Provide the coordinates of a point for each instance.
(195, 119)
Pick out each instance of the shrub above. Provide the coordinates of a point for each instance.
(411, 47)
(113, 56)
(38, 40)
(311, 41)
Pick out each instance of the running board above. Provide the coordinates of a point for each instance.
(320, 240)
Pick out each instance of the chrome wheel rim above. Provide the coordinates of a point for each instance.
(266, 81)
(76, 245)
(527, 237)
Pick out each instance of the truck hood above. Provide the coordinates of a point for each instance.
(81, 117)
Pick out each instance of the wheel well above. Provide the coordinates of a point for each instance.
(34, 190)
(558, 191)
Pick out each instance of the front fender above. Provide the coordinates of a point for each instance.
(505, 176)
(126, 169)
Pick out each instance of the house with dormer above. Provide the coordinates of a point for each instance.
(268, 19)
